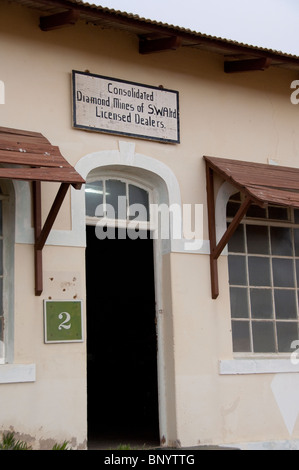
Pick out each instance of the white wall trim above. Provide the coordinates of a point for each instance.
(257, 366)
(16, 373)
(160, 175)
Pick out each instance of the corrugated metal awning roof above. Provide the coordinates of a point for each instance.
(265, 184)
(31, 157)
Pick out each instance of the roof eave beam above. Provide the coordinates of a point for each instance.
(247, 65)
(100, 13)
(59, 20)
(217, 248)
(149, 46)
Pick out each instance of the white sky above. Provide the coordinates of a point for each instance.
(272, 24)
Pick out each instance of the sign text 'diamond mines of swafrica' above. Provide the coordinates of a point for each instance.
(114, 106)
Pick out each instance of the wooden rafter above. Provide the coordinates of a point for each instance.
(247, 65)
(59, 20)
(148, 46)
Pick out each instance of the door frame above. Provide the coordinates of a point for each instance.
(166, 190)
(151, 227)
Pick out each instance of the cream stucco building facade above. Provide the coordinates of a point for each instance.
(205, 393)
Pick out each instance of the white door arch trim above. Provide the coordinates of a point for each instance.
(156, 173)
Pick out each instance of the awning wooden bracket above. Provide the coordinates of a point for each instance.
(41, 233)
(217, 248)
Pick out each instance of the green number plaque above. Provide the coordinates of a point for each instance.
(63, 321)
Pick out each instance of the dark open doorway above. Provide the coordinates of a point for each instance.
(121, 340)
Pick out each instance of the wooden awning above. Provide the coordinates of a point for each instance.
(260, 183)
(263, 183)
(29, 156)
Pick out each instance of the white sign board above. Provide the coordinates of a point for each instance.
(115, 106)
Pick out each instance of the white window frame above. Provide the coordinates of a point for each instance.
(6, 347)
(121, 223)
(10, 372)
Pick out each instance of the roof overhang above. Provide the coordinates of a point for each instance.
(29, 156)
(155, 36)
(260, 183)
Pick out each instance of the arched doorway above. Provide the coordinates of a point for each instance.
(121, 314)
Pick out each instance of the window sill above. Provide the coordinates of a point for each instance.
(17, 373)
(257, 366)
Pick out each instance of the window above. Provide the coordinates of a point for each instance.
(263, 262)
(116, 199)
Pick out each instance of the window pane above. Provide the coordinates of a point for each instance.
(257, 239)
(116, 189)
(285, 303)
(93, 196)
(1, 260)
(279, 213)
(256, 211)
(281, 241)
(287, 332)
(1, 297)
(261, 303)
(236, 197)
(232, 208)
(241, 338)
(283, 274)
(239, 302)
(263, 337)
(1, 232)
(259, 271)
(297, 271)
(139, 196)
(296, 216)
(237, 270)
(236, 243)
(296, 241)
